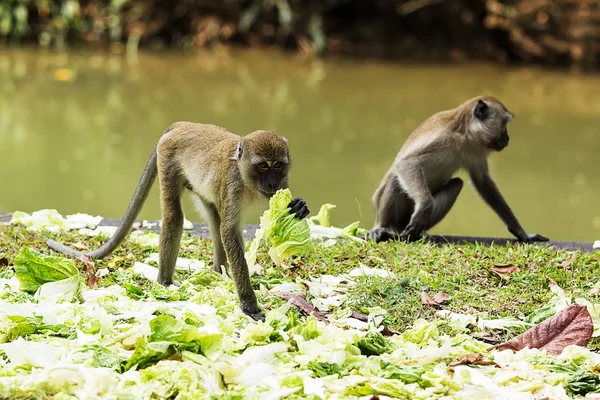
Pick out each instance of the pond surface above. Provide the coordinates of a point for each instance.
(80, 145)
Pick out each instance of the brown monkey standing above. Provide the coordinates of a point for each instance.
(225, 172)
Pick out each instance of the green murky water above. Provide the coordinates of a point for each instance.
(81, 145)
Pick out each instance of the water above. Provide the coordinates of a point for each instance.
(81, 145)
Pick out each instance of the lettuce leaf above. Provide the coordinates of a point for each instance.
(320, 226)
(169, 336)
(33, 269)
(373, 343)
(288, 235)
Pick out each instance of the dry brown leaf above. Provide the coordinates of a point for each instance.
(486, 336)
(299, 300)
(567, 263)
(437, 300)
(3, 261)
(389, 331)
(571, 326)
(360, 316)
(92, 279)
(471, 359)
(80, 246)
(504, 270)
(442, 298)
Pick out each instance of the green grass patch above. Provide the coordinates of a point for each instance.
(461, 271)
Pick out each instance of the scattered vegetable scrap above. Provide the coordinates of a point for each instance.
(121, 335)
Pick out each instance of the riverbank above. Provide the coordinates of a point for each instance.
(562, 33)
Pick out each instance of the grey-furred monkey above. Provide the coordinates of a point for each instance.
(225, 172)
(419, 189)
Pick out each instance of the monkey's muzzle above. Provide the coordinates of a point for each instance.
(500, 142)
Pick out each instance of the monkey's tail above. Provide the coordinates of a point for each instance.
(135, 205)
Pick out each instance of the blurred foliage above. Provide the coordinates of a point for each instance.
(550, 31)
(54, 23)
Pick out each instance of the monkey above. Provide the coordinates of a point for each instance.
(224, 172)
(419, 189)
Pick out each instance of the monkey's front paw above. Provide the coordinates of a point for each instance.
(382, 235)
(298, 206)
(412, 233)
(536, 238)
(254, 312)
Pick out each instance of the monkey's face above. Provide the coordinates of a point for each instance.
(266, 162)
(494, 117)
(270, 176)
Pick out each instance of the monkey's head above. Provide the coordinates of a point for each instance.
(264, 162)
(490, 118)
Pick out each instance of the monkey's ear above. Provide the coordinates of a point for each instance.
(481, 110)
(238, 150)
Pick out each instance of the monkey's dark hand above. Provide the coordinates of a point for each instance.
(523, 237)
(412, 232)
(382, 235)
(534, 238)
(298, 206)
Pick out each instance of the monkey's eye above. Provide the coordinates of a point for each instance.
(278, 165)
(263, 165)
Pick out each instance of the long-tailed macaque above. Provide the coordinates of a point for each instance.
(419, 189)
(225, 172)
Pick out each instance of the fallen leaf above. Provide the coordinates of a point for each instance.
(360, 316)
(437, 300)
(572, 326)
(471, 359)
(485, 336)
(441, 298)
(92, 279)
(299, 300)
(567, 263)
(389, 331)
(80, 246)
(3, 261)
(504, 270)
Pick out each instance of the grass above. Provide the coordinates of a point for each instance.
(463, 272)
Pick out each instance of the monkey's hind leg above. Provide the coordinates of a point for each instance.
(172, 222)
(443, 200)
(214, 224)
(393, 209)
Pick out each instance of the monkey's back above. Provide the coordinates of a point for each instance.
(203, 149)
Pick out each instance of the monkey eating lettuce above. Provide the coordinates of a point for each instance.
(224, 172)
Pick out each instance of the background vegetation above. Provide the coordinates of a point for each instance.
(558, 32)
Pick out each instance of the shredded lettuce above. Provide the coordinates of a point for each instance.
(33, 269)
(134, 339)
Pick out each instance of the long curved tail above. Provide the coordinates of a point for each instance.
(135, 205)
